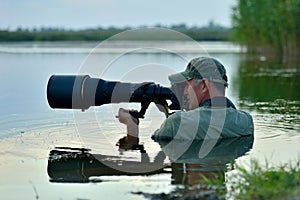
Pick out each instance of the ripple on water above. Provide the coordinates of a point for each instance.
(275, 125)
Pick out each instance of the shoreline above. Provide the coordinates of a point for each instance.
(125, 46)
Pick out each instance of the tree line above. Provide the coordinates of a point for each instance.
(269, 27)
(211, 32)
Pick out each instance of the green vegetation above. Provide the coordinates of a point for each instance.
(261, 183)
(56, 35)
(211, 32)
(268, 27)
(273, 81)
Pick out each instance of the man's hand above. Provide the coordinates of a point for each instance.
(126, 118)
(131, 122)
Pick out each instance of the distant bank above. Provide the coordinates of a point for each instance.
(208, 33)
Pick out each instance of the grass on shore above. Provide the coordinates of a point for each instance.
(260, 183)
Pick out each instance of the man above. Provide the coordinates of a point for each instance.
(209, 114)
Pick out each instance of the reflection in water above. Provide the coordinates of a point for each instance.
(270, 91)
(191, 165)
(268, 81)
(78, 165)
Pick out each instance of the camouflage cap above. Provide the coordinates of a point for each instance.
(202, 67)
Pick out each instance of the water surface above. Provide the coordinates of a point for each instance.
(30, 129)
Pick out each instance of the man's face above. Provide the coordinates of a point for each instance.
(193, 93)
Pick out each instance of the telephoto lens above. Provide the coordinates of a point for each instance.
(82, 91)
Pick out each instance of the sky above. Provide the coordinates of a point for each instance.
(80, 14)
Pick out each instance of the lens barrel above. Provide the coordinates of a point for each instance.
(81, 92)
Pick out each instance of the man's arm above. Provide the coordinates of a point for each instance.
(131, 122)
(167, 130)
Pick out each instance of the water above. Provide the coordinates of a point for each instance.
(30, 129)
